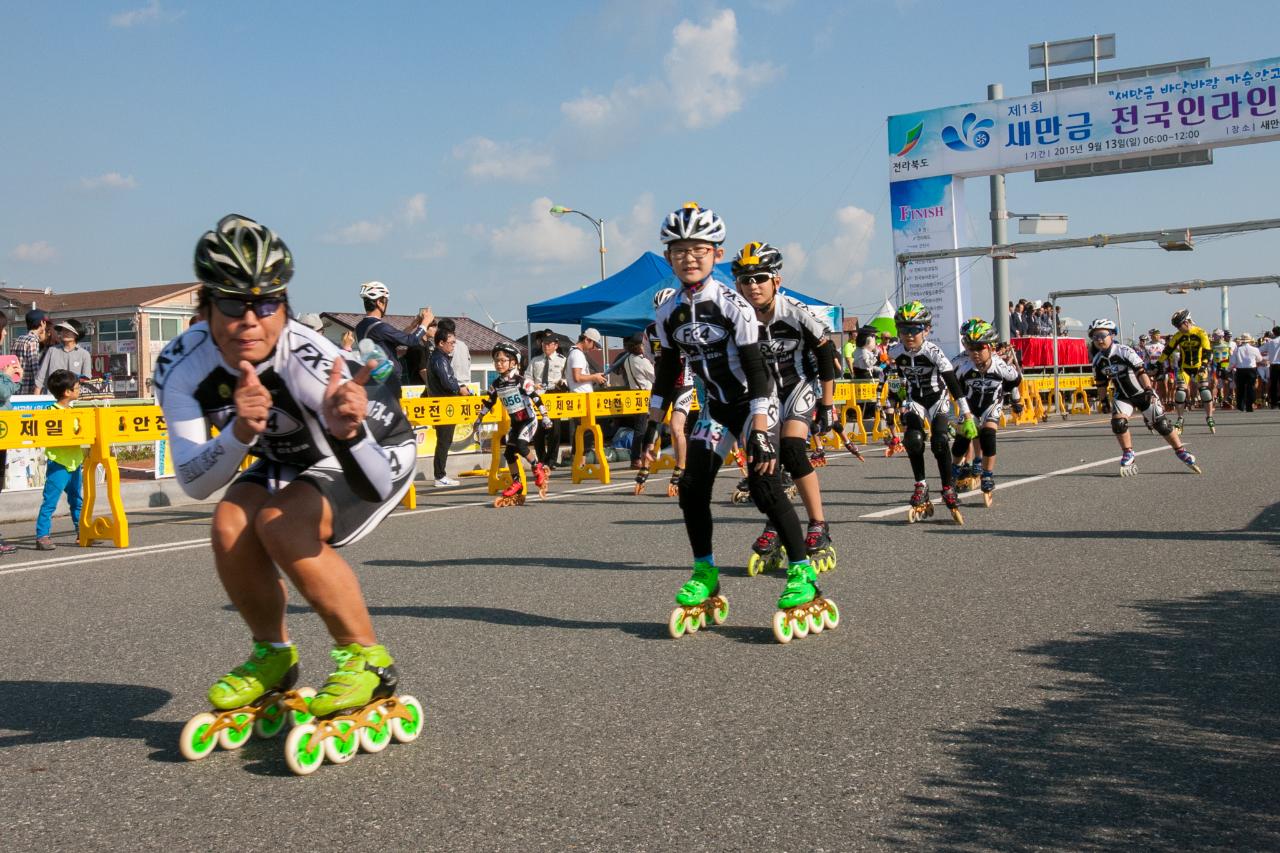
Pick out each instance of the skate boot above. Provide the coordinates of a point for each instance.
(699, 596)
(789, 486)
(255, 697)
(540, 477)
(512, 495)
(357, 708)
(921, 507)
(817, 541)
(1213, 427)
(1187, 459)
(1128, 465)
(1177, 425)
(988, 486)
(893, 445)
(742, 491)
(818, 457)
(767, 553)
(673, 487)
(802, 609)
(642, 474)
(975, 472)
(952, 500)
(960, 476)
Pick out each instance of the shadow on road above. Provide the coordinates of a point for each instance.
(53, 711)
(523, 563)
(1167, 737)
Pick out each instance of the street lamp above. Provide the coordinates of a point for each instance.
(1040, 223)
(559, 211)
(1270, 320)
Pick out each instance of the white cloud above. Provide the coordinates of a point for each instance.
(540, 238)
(145, 15)
(836, 262)
(38, 252)
(109, 181)
(358, 233)
(432, 251)
(415, 208)
(794, 261)
(512, 161)
(629, 236)
(706, 80)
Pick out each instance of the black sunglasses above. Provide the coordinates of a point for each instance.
(909, 329)
(237, 308)
(755, 278)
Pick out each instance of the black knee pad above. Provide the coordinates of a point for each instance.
(1162, 425)
(794, 456)
(913, 441)
(987, 440)
(766, 492)
(938, 442)
(522, 447)
(509, 452)
(960, 446)
(1119, 425)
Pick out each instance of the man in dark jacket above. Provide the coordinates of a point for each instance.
(441, 382)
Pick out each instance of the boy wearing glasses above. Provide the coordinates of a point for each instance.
(927, 378)
(985, 378)
(1117, 366)
(717, 333)
(790, 338)
(333, 459)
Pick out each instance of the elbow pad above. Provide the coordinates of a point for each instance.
(826, 353)
(664, 377)
(759, 386)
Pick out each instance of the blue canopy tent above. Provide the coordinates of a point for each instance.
(572, 307)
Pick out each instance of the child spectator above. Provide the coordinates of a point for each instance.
(63, 473)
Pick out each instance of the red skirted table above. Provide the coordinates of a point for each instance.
(1038, 352)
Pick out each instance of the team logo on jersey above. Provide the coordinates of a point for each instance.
(778, 347)
(699, 334)
(281, 423)
(224, 391)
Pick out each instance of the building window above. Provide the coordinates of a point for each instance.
(165, 328)
(115, 330)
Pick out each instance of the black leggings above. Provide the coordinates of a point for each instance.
(913, 440)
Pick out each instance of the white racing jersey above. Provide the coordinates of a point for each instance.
(707, 324)
(984, 388)
(793, 331)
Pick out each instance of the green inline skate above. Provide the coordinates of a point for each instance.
(802, 609)
(257, 697)
(699, 596)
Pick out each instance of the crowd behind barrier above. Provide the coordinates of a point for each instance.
(860, 407)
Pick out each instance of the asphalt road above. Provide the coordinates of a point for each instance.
(1090, 664)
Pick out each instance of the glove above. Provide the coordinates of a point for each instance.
(546, 423)
(760, 448)
(826, 418)
(1017, 407)
(650, 433)
(1148, 397)
(969, 428)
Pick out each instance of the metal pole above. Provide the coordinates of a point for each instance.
(1053, 307)
(1000, 231)
(1095, 59)
(1119, 318)
(600, 230)
(1046, 69)
(1226, 315)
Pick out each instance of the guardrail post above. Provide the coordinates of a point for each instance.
(115, 526)
(499, 474)
(598, 470)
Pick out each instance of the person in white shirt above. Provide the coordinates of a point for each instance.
(1270, 377)
(547, 372)
(1245, 361)
(578, 372)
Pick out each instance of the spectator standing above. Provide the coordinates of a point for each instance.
(70, 356)
(376, 297)
(1271, 354)
(1028, 318)
(28, 348)
(442, 382)
(848, 350)
(312, 322)
(62, 476)
(547, 372)
(638, 373)
(578, 371)
(1245, 361)
(1017, 327)
(417, 360)
(11, 380)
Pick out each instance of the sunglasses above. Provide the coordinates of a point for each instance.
(237, 308)
(909, 329)
(1100, 336)
(755, 278)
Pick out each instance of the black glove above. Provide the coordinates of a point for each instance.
(826, 418)
(1017, 407)
(760, 448)
(1148, 397)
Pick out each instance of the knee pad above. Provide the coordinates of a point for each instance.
(1205, 396)
(510, 452)
(1162, 425)
(766, 492)
(987, 441)
(960, 446)
(794, 456)
(938, 442)
(1119, 425)
(913, 441)
(1180, 395)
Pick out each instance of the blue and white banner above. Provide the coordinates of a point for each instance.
(926, 216)
(1199, 108)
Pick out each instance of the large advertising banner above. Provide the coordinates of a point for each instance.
(1198, 108)
(927, 214)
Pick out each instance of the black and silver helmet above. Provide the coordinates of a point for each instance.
(692, 222)
(757, 258)
(239, 257)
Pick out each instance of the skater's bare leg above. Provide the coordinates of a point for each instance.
(245, 568)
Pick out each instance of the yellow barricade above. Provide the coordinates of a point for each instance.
(441, 411)
(41, 428)
(116, 425)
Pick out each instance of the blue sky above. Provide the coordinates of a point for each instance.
(421, 144)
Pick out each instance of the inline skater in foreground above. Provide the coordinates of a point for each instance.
(680, 406)
(789, 336)
(524, 406)
(1119, 367)
(927, 379)
(333, 459)
(985, 379)
(1187, 352)
(717, 333)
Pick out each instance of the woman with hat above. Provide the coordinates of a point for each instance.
(70, 356)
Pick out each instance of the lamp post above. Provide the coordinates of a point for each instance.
(1270, 320)
(558, 211)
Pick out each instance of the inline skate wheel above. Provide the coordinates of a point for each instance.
(408, 730)
(815, 622)
(782, 627)
(675, 625)
(343, 746)
(832, 614)
(377, 735)
(298, 718)
(302, 756)
(957, 517)
(691, 623)
(673, 491)
(755, 564)
(238, 733)
(271, 720)
(800, 627)
(720, 612)
(987, 498)
(639, 490)
(196, 742)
